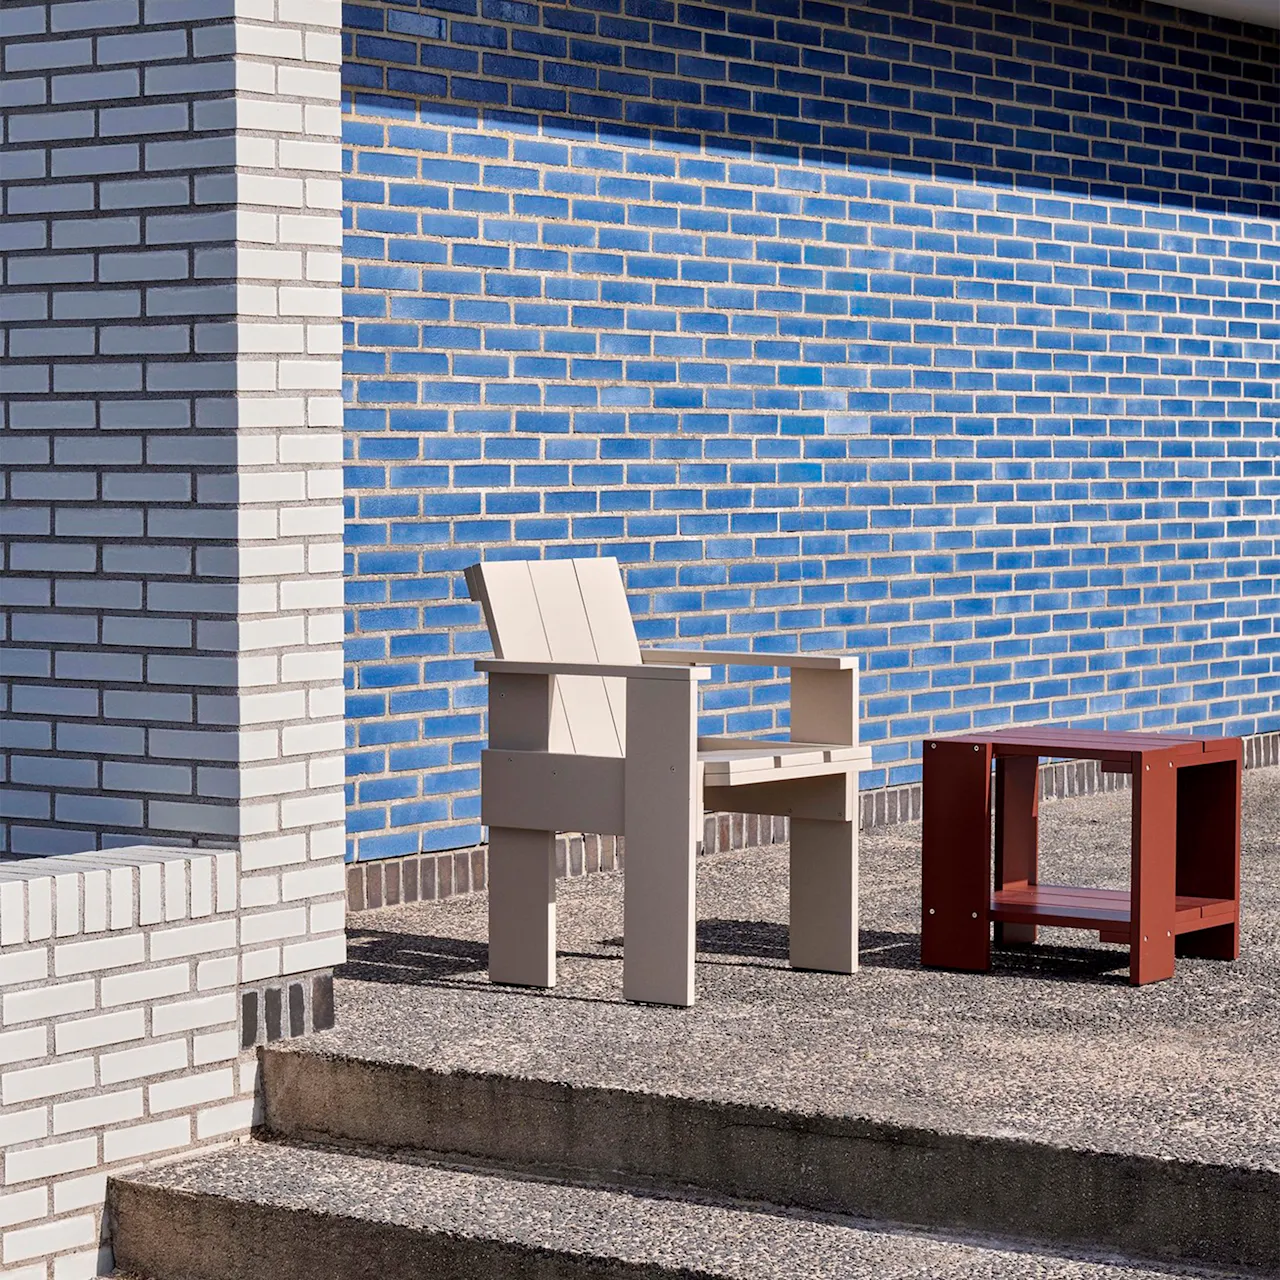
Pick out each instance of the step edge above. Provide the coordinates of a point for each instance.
(1135, 1205)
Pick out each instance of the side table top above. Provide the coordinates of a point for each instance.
(1091, 744)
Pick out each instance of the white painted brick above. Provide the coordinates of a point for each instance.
(150, 894)
(192, 939)
(201, 887)
(186, 1015)
(216, 1046)
(94, 885)
(66, 911)
(28, 20)
(123, 881)
(36, 1271)
(68, 162)
(18, 967)
(86, 1265)
(150, 984)
(204, 819)
(30, 92)
(50, 268)
(175, 889)
(125, 775)
(40, 55)
(328, 843)
(91, 15)
(50, 126)
(145, 193)
(175, 11)
(151, 1059)
(323, 808)
(271, 926)
(319, 953)
(256, 965)
(188, 78)
(191, 1091)
(313, 881)
(232, 1117)
(259, 891)
(148, 265)
(13, 921)
(18, 1127)
(151, 46)
(97, 811)
(48, 1001)
(277, 851)
(104, 304)
(160, 117)
(222, 972)
(22, 1206)
(49, 1237)
(80, 1193)
(23, 166)
(46, 1081)
(95, 233)
(104, 953)
(96, 86)
(326, 916)
(101, 1109)
(146, 1139)
(104, 1029)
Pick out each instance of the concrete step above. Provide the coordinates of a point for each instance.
(272, 1211)
(1041, 1192)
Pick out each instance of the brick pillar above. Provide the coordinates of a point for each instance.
(171, 445)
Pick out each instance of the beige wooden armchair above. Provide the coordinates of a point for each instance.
(588, 732)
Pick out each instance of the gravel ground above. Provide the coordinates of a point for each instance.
(1052, 1045)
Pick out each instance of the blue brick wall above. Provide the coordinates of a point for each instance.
(943, 334)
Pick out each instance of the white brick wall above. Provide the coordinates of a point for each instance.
(111, 1050)
(171, 448)
(170, 544)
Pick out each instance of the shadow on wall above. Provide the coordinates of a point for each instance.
(1159, 105)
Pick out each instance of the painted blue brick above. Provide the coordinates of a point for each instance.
(959, 427)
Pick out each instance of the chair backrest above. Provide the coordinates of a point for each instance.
(565, 611)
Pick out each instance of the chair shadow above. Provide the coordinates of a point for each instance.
(889, 949)
(421, 960)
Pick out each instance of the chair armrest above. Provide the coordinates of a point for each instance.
(736, 658)
(505, 666)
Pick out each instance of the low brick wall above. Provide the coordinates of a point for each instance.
(121, 1034)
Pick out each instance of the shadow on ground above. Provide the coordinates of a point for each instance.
(421, 960)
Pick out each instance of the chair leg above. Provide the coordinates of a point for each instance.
(824, 895)
(522, 907)
(659, 816)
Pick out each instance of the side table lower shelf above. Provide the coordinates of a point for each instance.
(1107, 910)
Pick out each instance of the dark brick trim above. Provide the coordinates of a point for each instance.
(282, 1008)
(429, 877)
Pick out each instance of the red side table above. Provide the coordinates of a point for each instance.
(1184, 896)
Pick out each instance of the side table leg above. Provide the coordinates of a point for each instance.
(955, 924)
(1017, 803)
(1154, 865)
(1209, 851)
